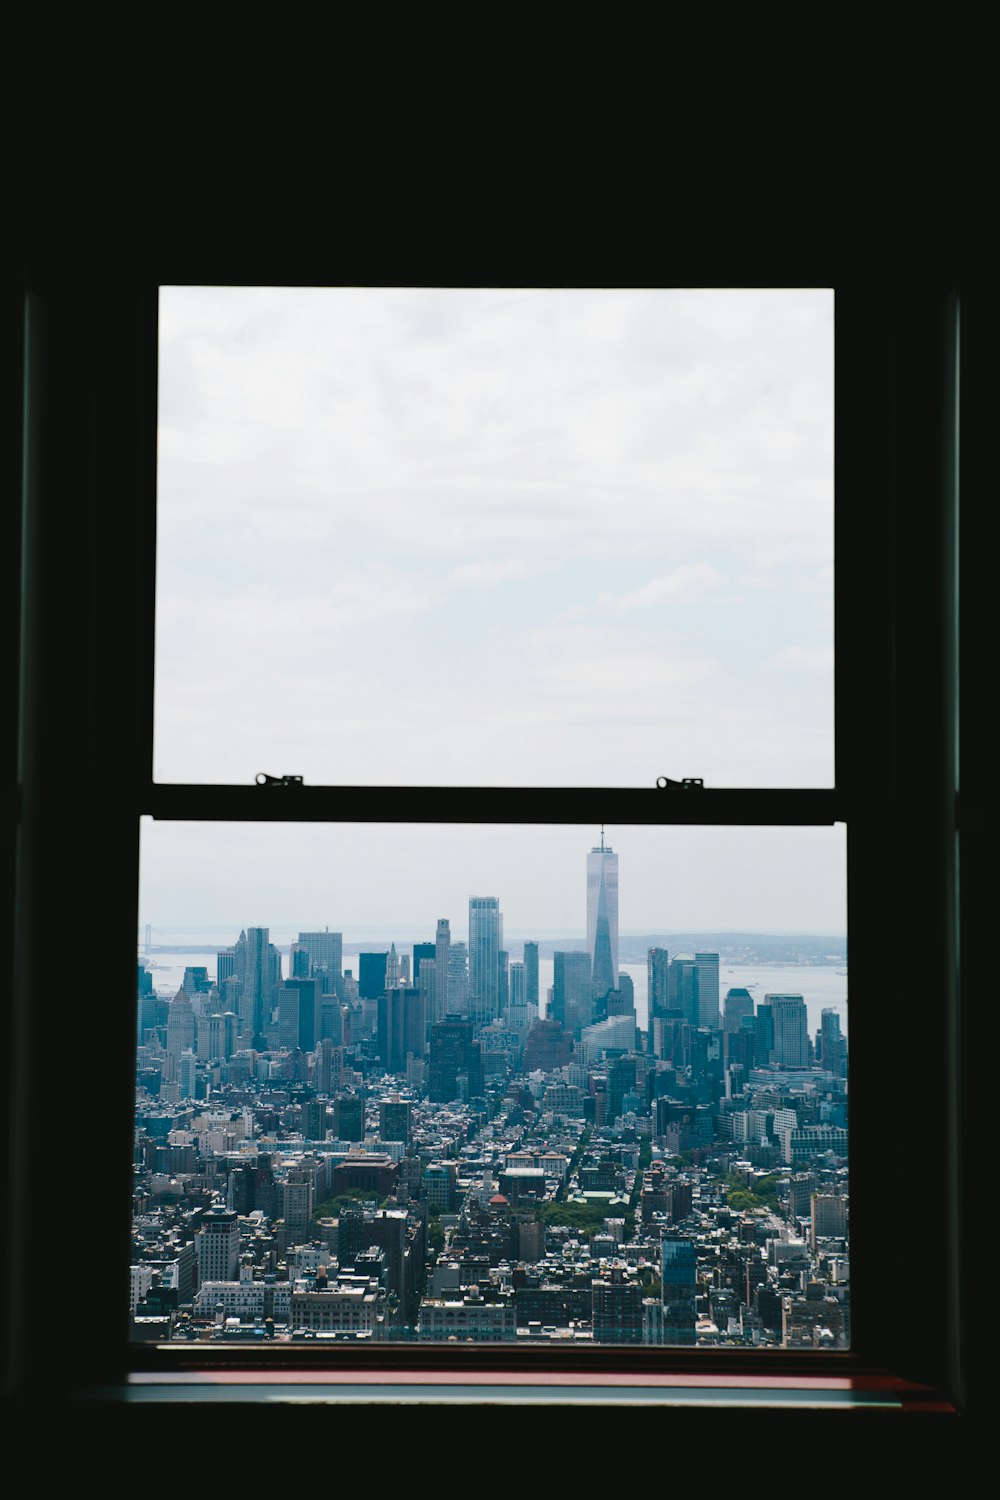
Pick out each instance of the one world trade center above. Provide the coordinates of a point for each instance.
(602, 917)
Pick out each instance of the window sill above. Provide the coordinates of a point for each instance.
(872, 1391)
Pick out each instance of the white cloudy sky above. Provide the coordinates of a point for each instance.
(495, 536)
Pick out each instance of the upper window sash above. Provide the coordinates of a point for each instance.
(515, 537)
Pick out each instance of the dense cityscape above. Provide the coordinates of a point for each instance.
(439, 1148)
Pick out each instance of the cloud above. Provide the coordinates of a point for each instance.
(804, 658)
(690, 581)
(492, 572)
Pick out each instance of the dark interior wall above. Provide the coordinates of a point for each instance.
(84, 697)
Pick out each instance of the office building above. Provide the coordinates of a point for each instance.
(790, 1045)
(395, 1119)
(679, 1284)
(371, 975)
(401, 1026)
(218, 1246)
(349, 1117)
(707, 965)
(257, 965)
(657, 995)
(422, 951)
(683, 988)
(297, 1206)
(531, 973)
(572, 991)
(832, 1045)
(455, 1069)
(325, 951)
(617, 1308)
(739, 1003)
(485, 943)
(458, 981)
(180, 1025)
(299, 1013)
(442, 944)
(426, 983)
(602, 917)
(518, 1014)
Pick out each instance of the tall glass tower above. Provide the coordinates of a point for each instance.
(602, 917)
(485, 943)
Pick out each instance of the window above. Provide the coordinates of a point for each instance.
(85, 756)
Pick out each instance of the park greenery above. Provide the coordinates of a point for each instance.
(764, 1194)
(331, 1208)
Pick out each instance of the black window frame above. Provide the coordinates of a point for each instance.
(83, 762)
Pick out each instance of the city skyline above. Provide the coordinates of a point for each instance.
(405, 877)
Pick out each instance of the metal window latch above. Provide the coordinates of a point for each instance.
(689, 784)
(262, 779)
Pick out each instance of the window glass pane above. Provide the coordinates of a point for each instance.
(459, 537)
(570, 1086)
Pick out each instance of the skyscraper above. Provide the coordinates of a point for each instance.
(739, 1003)
(458, 980)
(602, 917)
(679, 1283)
(485, 943)
(453, 1056)
(832, 1047)
(531, 973)
(708, 989)
(442, 943)
(572, 992)
(790, 1047)
(257, 965)
(371, 974)
(325, 952)
(422, 951)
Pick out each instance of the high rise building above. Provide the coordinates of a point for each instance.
(707, 965)
(442, 943)
(518, 1013)
(683, 988)
(257, 965)
(371, 974)
(454, 1056)
(617, 1308)
(679, 1283)
(531, 973)
(420, 952)
(325, 957)
(458, 980)
(401, 1026)
(657, 969)
(426, 983)
(790, 1045)
(349, 1117)
(572, 991)
(503, 983)
(395, 1119)
(180, 1024)
(218, 1246)
(299, 1013)
(739, 1003)
(602, 917)
(485, 943)
(832, 1047)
